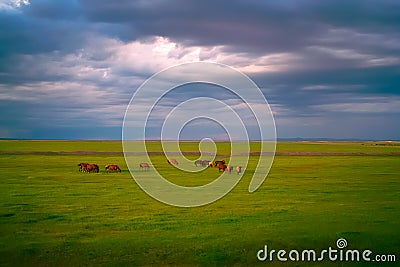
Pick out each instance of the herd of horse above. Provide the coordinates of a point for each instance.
(87, 167)
(218, 163)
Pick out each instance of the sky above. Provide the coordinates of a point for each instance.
(329, 69)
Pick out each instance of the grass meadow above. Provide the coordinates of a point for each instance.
(317, 192)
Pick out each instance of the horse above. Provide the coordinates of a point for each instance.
(229, 169)
(221, 167)
(238, 169)
(82, 167)
(144, 166)
(198, 162)
(112, 167)
(92, 168)
(217, 162)
(205, 163)
(172, 161)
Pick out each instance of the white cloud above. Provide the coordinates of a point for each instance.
(158, 53)
(12, 4)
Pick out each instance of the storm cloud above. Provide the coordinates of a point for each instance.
(329, 69)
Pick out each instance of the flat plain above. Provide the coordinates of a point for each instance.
(316, 192)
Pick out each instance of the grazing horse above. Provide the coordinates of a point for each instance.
(82, 167)
(198, 162)
(112, 168)
(205, 163)
(238, 169)
(229, 169)
(92, 168)
(221, 167)
(218, 162)
(172, 161)
(144, 166)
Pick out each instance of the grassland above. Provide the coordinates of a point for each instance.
(52, 214)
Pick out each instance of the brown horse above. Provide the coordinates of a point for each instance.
(221, 167)
(172, 161)
(82, 167)
(92, 168)
(218, 162)
(112, 168)
(144, 166)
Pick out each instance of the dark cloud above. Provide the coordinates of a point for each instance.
(302, 93)
(269, 25)
(59, 60)
(62, 10)
(25, 33)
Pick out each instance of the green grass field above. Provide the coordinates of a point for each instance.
(53, 215)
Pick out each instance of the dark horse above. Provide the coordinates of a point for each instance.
(221, 167)
(218, 162)
(203, 163)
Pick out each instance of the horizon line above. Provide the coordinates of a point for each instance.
(322, 139)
